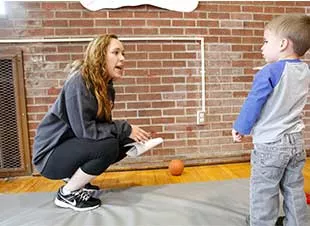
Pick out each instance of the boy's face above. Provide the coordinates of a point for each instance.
(115, 59)
(272, 46)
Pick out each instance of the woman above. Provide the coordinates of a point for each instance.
(77, 138)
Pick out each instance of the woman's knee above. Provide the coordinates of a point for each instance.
(97, 166)
(110, 151)
(105, 154)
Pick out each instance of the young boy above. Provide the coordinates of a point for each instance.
(272, 113)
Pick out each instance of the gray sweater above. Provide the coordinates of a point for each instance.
(73, 115)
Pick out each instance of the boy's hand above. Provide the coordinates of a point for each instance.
(237, 137)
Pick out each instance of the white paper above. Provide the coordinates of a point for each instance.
(140, 148)
(175, 5)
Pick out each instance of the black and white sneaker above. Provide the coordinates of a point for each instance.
(88, 187)
(278, 223)
(79, 200)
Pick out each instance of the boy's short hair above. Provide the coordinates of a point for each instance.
(294, 27)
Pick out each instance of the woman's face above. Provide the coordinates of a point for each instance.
(115, 59)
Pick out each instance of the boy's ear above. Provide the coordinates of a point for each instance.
(284, 44)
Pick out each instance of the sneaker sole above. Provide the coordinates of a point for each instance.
(66, 205)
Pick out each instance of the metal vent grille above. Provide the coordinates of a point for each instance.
(10, 156)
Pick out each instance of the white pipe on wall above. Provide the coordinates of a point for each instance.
(200, 39)
(203, 82)
(46, 40)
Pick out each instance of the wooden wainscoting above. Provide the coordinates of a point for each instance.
(123, 179)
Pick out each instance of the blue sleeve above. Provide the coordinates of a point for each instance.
(264, 82)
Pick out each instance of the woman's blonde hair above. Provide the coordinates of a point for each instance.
(294, 27)
(93, 69)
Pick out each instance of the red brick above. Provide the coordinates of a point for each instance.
(295, 10)
(55, 23)
(81, 23)
(53, 5)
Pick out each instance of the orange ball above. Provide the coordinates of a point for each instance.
(176, 167)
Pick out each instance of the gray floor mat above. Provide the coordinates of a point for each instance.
(217, 203)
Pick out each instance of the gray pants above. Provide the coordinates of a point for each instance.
(278, 167)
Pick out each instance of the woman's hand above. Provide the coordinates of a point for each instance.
(138, 134)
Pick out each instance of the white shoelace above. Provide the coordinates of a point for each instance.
(82, 195)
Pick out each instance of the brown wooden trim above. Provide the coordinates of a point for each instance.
(21, 116)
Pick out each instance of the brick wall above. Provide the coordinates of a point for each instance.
(161, 90)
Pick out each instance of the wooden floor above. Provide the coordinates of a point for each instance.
(142, 178)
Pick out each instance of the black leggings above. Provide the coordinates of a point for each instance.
(93, 157)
